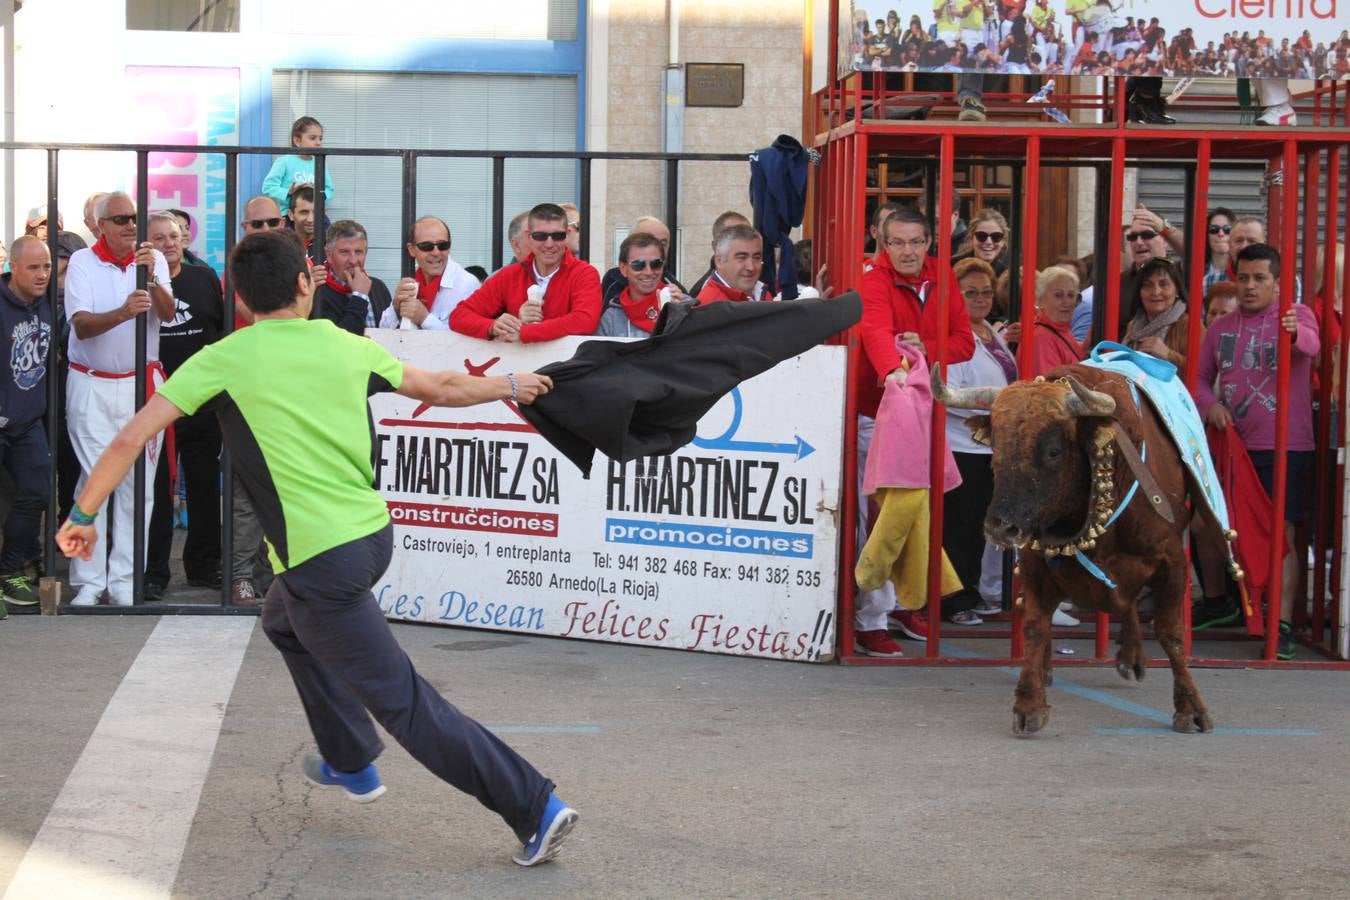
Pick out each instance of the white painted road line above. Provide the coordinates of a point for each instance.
(120, 823)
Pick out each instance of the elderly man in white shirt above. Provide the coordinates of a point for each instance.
(102, 304)
(425, 300)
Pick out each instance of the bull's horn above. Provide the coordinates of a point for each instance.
(962, 398)
(1086, 402)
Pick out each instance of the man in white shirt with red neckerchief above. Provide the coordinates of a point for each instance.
(436, 287)
(102, 304)
(738, 260)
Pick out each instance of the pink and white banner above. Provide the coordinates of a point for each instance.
(1196, 38)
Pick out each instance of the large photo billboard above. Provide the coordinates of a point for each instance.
(1183, 38)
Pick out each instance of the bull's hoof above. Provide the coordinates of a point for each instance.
(1193, 722)
(1029, 723)
(1131, 671)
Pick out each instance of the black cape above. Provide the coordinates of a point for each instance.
(644, 398)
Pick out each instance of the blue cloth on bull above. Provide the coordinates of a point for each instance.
(1167, 394)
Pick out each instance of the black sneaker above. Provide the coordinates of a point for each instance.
(154, 591)
(19, 590)
(1284, 647)
(1214, 612)
(210, 580)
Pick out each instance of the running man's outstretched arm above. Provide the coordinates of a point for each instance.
(157, 414)
(457, 389)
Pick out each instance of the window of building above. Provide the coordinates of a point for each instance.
(434, 111)
(183, 15)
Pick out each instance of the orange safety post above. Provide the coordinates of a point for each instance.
(1031, 190)
(1111, 322)
(1288, 225)
(1199, 241)
(1329, 393)
(938, 442)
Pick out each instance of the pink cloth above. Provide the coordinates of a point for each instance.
(902, 440)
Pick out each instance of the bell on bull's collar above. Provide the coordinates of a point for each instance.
(1230, 535)
(1236, 571)
(1051, 552)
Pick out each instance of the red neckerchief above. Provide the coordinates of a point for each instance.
(426, 290)
(641, 313)
(335, 284)
(715, 290)
(104, 252)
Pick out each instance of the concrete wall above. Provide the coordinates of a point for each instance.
(764, 35)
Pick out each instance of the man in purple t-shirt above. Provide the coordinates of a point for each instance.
(1238, 359)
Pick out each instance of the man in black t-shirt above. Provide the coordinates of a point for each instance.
(199, 320)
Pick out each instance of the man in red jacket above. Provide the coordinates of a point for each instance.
(900, 302)
(571, 290)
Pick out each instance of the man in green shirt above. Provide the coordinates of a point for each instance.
(291, 397)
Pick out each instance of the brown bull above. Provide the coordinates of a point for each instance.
(1062, 451)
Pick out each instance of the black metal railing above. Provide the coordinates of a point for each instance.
(408, 159)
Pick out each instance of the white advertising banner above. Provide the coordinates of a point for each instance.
(1197, 38)
(727, 546)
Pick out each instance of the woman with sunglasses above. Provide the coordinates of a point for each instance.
(1161, 326)
(1218, 250)
(987, 240)
(632, 311)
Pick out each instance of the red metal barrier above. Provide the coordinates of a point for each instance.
(1309, 156)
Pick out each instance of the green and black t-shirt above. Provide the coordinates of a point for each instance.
(291, 396)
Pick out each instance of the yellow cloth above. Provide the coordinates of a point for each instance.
(897, 549)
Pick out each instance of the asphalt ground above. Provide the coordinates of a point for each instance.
(695, 775)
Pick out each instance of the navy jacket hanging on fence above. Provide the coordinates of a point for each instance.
(778, 195)
(644, 398)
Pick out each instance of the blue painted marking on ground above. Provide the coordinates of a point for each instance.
(543, 729)
(1137, 709)
(1248, 732)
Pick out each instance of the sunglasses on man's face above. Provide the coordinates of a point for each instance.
(1140, 236)
(120, 221)
(989, 237)
(428, 246)
(638, 265)
(540, 237)
(260, 224)
(1221, 229)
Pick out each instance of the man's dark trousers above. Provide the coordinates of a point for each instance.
(24, 452)
(197, 440)
(343, 657)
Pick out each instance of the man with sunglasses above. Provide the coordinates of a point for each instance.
(614, 281)
(1142, 243)
(497, 311)
(436, 287)
(103, 303)
(633, 310)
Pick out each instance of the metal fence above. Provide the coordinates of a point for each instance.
(671, 165)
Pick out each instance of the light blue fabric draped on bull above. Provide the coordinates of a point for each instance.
(1157, 380)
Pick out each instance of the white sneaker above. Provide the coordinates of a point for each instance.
(1062, 617)
(86, 596)
(120, 598)
(1281, 114)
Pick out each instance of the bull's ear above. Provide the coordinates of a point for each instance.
(981, 430)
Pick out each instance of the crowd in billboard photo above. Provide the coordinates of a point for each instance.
(1090, 37)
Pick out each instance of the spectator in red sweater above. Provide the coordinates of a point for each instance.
(900, 302)
(738, 259)
(570, 290)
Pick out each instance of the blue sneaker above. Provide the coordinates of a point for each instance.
(554, 824)
(363, 786)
